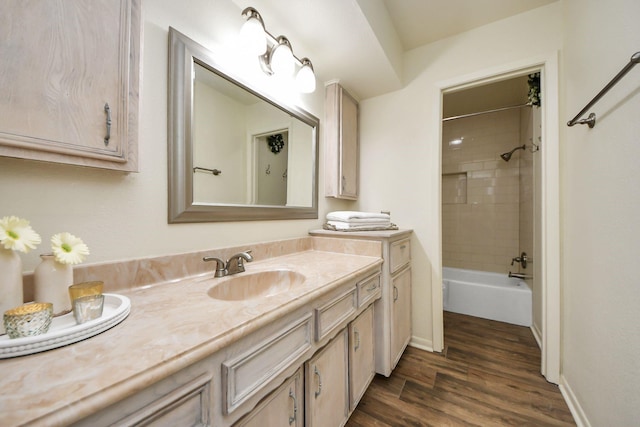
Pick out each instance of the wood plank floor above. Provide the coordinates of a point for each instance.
(488, 375)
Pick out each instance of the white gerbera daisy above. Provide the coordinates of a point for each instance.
(16, 234)
(68, 249)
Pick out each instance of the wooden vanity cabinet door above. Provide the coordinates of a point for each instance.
(400, 314)
(326, 385)
(71, 71)
(349, 148)
(361, 355)
(341, 143)
(283, 407)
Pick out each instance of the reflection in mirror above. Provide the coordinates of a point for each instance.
(234, 154)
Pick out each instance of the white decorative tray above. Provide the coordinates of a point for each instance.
(64, 329)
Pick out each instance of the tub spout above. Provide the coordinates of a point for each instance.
(520, 276)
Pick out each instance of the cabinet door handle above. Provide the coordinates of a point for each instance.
(395, 294)
(107, 110)
(317, 373)
(292, 419)
(356, 336)
(344, 183)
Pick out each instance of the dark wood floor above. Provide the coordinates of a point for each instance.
(488, 375)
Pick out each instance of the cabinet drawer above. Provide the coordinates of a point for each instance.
(368, 290)
(161, 404)
(245, 375)
(332, 314)
(188, 405)
(400, 255)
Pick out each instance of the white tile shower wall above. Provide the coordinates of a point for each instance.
(481, 232)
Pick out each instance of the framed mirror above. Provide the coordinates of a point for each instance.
(235, 154)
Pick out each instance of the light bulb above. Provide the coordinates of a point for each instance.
(282, 62)
(306, 79)
(253, 37)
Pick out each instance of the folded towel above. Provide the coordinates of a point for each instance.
(343, 226)
(349, 216)
(364, 221)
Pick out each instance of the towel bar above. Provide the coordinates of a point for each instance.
(591, 119)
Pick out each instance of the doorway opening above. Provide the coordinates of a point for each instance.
(490, 141)
(270, 168)
(476, 184)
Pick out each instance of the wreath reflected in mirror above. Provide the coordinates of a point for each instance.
(276, 142)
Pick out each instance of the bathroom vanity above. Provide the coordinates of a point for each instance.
(393, 310)
(299, 352)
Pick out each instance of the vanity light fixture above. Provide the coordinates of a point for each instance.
(275, 53)
(252, 33)
(306, 79)
(280, 58)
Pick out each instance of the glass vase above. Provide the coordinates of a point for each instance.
(51, 284)
(11, 295)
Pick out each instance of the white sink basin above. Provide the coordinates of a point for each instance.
(253, 285)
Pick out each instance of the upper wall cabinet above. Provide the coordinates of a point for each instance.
(69, 82)
(341, 143)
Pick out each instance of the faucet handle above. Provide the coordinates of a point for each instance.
(221, 270)
(522, 260)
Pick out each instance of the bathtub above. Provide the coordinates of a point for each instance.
(488, 295)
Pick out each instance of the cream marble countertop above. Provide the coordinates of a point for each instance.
(172, 325)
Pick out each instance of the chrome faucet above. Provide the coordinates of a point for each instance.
(522, 259)
(235, 264)
(221, 270)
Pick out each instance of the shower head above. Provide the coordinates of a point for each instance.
(507, 156)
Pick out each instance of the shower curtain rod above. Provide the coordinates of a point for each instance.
(446, 119)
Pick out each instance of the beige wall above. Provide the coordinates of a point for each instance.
(125, 216)
(400, 159)
(600, 207)
(480, 192)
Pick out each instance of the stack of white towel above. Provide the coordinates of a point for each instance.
(358, 221)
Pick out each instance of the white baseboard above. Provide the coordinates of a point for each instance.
(537, 334)
(421, 343)
(574, 406)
